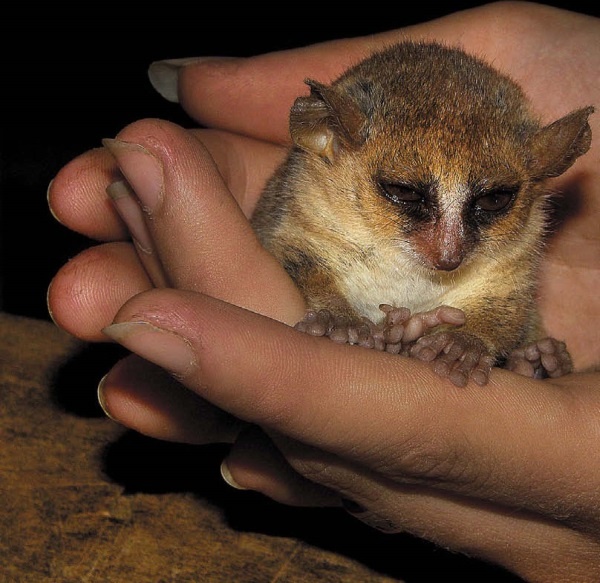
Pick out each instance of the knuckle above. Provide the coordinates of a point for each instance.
(429, 458)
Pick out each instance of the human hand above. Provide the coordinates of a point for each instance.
(506, 473)
(519, 39)
(195, 228)
(344, 468)
(514, 36)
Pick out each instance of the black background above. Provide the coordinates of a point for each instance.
(75, 76)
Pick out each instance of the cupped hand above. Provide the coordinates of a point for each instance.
(191, 234)
(549, 51)
(552, 53)
(504, 473)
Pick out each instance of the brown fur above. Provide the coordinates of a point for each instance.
(419, 118)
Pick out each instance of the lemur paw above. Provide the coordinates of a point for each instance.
(545, 358)
(395, 334)
(420, 323)
(324, 323)
(457, 356)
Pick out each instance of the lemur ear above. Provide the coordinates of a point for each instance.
(325, 121)
(555, 147)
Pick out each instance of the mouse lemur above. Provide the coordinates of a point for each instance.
(417, 180)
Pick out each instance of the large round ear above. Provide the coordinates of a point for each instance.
(555, 147)
(325, 121)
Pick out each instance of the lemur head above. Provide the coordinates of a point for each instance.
(436, 151)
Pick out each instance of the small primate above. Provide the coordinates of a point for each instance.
(412, 210)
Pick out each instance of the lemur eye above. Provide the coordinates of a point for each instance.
(494, 201)
(402, 193)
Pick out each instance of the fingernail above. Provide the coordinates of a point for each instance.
(48, 307)
(228, 478)
(162, 347)
(164, 75)
(48, 202)
(125, 203)
(102, 398)
(142, 170)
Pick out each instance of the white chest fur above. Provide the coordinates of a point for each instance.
(393, 279)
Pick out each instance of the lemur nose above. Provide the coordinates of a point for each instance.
(448, 263)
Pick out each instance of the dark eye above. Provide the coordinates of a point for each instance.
(402, 193)
(494, 201)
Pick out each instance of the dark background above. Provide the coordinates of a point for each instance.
(71, 78)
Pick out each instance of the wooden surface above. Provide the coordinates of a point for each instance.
(82, 499)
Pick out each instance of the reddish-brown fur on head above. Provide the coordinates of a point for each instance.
(417, 179)
(446, 127)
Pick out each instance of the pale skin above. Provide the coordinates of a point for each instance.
(507, 473)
